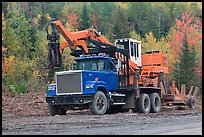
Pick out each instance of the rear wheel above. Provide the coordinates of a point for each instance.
(144, 103)
(56, 110)
(191, 103)
(155, 103)
(99, 104)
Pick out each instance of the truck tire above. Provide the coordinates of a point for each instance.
(61, 110)
(191, 103)
(99, 105)
(155, 103)
(144, 103)
(56, 110)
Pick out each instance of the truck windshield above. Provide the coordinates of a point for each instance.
(93, 64)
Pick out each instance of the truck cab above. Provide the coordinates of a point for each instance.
(77, 88)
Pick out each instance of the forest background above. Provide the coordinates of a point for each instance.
(172, 27)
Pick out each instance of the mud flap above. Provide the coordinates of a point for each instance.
(130, 99)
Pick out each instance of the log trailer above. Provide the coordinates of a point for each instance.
(108, 77)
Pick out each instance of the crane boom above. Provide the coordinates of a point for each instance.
(74, 39)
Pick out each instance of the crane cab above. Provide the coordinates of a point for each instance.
(134, 47)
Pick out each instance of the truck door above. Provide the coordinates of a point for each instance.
(112, 76)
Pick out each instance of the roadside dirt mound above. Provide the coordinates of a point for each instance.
(33, 104)
(24, 104)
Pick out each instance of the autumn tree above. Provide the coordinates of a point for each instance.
(191, 27)
(95, 20)
(187, 33)
(185, 66)
(72, 21)
(65, 12)
(24, 43)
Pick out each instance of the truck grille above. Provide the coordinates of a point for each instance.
(69, 82)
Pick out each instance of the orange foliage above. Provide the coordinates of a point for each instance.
(189, 26)
(73, 20)
(94, 20)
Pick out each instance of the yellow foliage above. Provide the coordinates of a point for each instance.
(5, 67)
(149, 43)
(36, 73)
(4, 49)
(8, 65)
(3, 23)
(11, 59)
(123, 5)
(65, 12)
(35, 21)
(135, 36)
(199, 5)
(48, 16)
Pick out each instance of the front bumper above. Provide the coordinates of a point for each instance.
(69, 99)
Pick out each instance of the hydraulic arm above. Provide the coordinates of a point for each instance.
(73, 40)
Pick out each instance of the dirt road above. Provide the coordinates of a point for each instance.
(83, 122)
(28, 115)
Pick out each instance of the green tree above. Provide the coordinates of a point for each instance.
(178, 9)
(151, 24)
(137, 12)
(43, 20)
(105, 22)
(85, 19)
(162, 14)
(185, 66)
(121, 26)
(117, 32)
(135, 36)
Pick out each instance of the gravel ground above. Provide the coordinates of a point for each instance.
(28, 115)
(81, 122)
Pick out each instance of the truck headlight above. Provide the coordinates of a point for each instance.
(89, 85)
(51, 88)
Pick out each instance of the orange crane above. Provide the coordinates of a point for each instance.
(152, 62)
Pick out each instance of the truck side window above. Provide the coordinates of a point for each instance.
(111, 66)
(94, 66)
(101, 65)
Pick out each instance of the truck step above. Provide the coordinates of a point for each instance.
(117, 94)
(118, 99)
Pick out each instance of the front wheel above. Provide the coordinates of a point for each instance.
(56, 110)
(99, 104)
